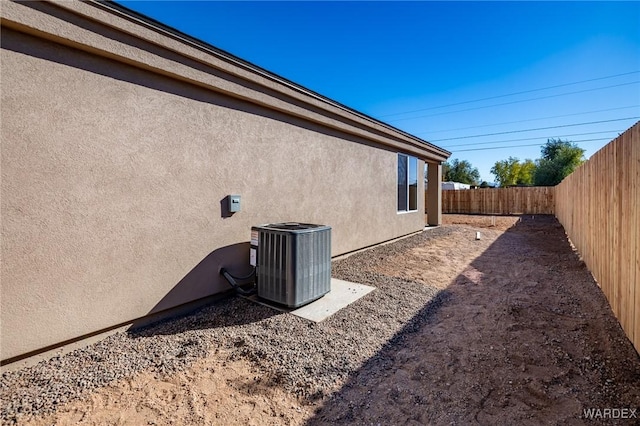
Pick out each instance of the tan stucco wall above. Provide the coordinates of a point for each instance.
(104, 29)
(113, 179)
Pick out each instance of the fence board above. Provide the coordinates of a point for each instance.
(634, 249)
(598, 206)
(502, 201)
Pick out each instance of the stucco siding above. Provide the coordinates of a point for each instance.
(113, 180)
(104, 29)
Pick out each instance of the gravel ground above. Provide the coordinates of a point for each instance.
(307, 359)
(508, 329)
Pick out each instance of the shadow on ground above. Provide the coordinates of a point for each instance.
(524, 335)
(229, 311)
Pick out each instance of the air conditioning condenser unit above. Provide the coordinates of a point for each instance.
(293, 262)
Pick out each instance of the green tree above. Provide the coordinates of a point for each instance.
(506, 171)
(460, 171)
(559, 159)
(512, 172)
(527, 171)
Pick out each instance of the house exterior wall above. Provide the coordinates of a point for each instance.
(114, 178)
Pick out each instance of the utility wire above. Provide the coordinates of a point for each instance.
(531, 130)
(519, 101)
(530, 119)
(513, 94)
(531, 144)
(528, 139)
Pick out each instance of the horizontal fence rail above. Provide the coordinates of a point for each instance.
(499, 201)
(599, 208)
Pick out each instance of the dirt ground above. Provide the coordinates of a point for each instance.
(211, 392)
(523, 337)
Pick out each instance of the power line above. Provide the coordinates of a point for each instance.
(531, 144)
(530, 119)
(520, 101)
(447, 147)
(539, 128)
(513, 94)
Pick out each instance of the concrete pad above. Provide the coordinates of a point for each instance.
(342, 294)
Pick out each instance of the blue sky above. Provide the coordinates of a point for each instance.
(440, 70)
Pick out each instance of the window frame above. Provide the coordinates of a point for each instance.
(408, 159)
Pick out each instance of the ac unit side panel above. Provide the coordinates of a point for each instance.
(313, 267)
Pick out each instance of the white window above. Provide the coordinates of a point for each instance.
(407, 183)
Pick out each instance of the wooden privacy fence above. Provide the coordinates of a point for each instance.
(516, 200)
(599, 208)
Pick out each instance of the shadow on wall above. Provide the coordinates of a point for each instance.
(202, 286)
